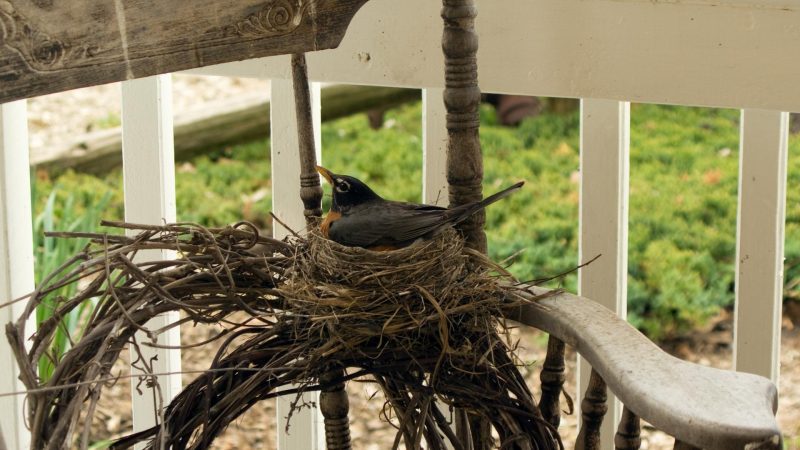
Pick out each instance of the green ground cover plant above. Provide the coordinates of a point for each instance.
(683, 197)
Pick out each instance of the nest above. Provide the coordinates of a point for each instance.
(424, 322)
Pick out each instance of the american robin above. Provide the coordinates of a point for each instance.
(361, 218)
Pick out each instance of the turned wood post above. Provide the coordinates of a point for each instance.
(552, 377)
(464, 159)
(628, 435)
(593, 408)
(310, 189)
(462, 99)
(334, 404)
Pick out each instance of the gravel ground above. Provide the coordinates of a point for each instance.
(54, 118)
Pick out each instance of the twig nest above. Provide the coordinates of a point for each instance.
(427, 264)
(431, 288)
(425, 323)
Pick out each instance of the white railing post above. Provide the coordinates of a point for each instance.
(306, 429)
(16, 259)
(605, 132)
(434, 147)
(763, 149)
(149, 185)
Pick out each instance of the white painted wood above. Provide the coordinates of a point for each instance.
(705, 406)
(434, 168)
(605, 132)
(149, 186)
(434, 147)
(633, 50)
(306, 427)
(16, 259)
(760, 236)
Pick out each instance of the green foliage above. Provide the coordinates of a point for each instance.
(75, 211)
(683, 197)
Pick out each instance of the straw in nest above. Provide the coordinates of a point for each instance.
(425, 323)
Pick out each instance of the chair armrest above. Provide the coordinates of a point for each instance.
(706, 407)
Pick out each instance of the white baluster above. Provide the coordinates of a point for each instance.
(149, 179)
(16, 259)
(434, 148)
(605, 132)
(759, 253)
(306, 429)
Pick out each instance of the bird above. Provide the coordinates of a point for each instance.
(359, 217)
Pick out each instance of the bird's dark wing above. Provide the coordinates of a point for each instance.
(387, 223)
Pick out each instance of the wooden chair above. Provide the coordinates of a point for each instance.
(701, 407)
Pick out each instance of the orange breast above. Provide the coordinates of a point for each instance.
(332, 216)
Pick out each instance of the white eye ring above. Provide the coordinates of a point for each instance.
(342, 185)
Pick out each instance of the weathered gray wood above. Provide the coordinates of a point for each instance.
(48, 46)
(552, 377)
(464, 159)
(310, 189)
(462, 99)
(593, 410)
(629, 432)
(225, 123)
(706, 407)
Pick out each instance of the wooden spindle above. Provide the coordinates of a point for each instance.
(552, 377)
(334, 405)
(310, 189)
(464, 159)
(462, 100)
(593, 408)
(333, 401)
(628, 435)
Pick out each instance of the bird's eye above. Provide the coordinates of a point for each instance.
(342, 186)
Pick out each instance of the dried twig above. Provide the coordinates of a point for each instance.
(426, 322)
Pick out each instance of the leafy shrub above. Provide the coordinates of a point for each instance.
(683, 197)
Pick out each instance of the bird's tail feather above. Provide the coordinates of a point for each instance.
(465, 211)
(499, 195)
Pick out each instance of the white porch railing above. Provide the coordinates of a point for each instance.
(737, 54)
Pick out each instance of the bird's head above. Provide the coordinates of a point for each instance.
(347, 191)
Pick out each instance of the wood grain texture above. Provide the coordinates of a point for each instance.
(51, 47)
(706, 407)
(462, 98)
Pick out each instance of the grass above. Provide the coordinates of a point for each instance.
(682, 221)
(51, 253)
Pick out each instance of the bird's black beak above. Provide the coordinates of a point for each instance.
(326, 173)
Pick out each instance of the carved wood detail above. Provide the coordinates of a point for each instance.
(593, 409)
(552, 377)
(462, 98)
(628, 435)
(275, 18)
(47, 47)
